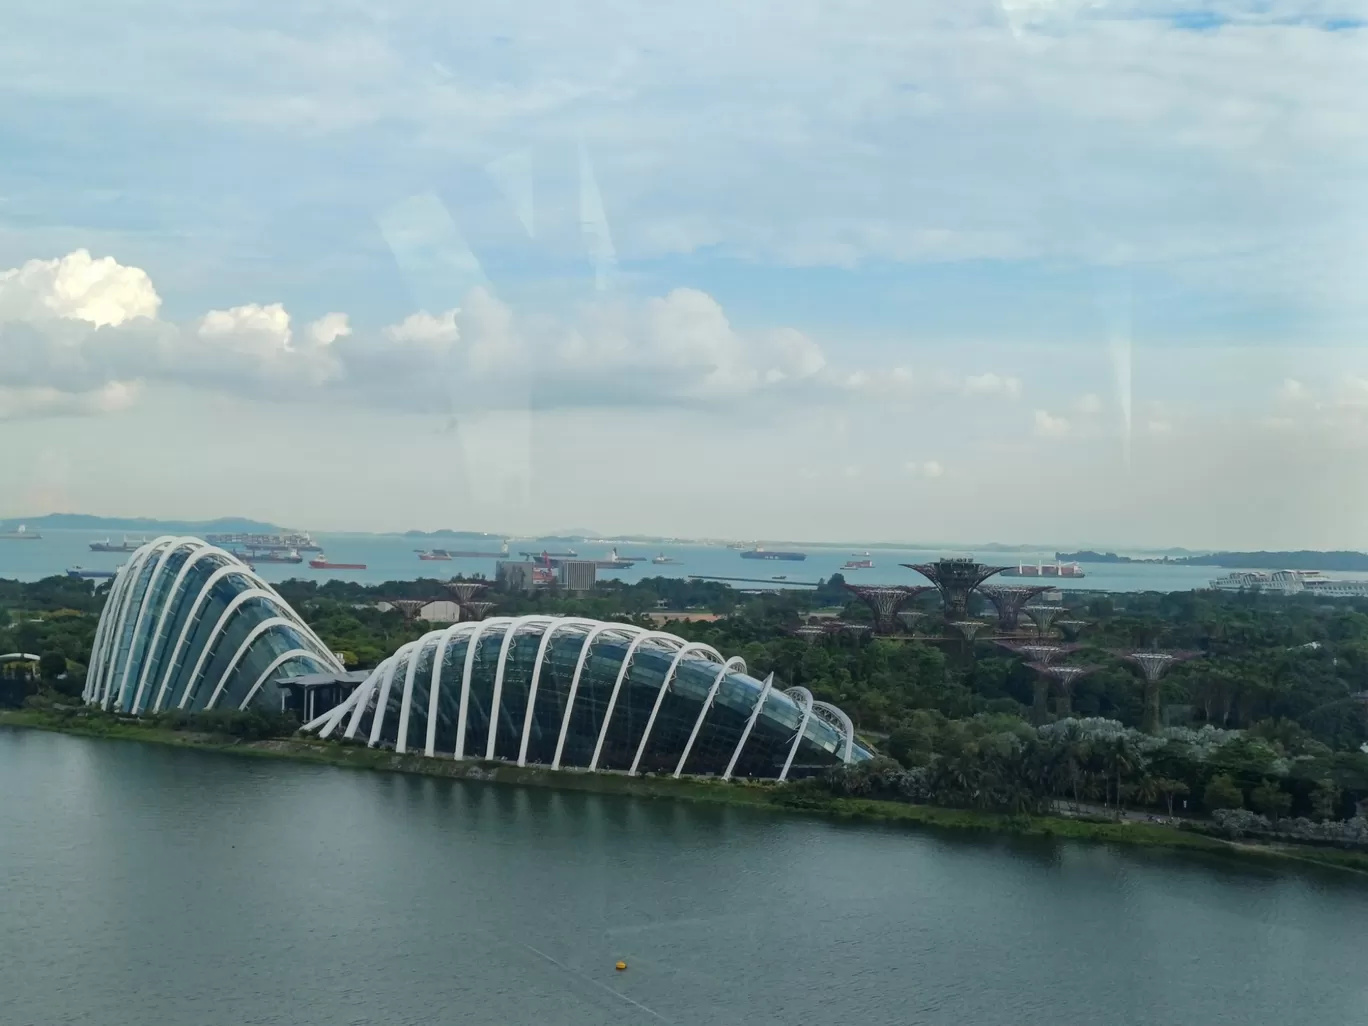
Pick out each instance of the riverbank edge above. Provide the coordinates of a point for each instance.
(754, 795)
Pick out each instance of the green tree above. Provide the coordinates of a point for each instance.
(51, 665)
(1170, 789)
(1271, 800)
(1325, 798)
(1222, 793)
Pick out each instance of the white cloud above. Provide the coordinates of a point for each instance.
(1047, 425)
(76, 287)
(992, 384)
(20, 403)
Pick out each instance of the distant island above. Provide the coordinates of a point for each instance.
(1298, 559)
(145, 525)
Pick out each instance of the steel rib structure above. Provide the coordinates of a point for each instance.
(569, 692)
(190, 626)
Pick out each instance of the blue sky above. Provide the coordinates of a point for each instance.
(794, 270)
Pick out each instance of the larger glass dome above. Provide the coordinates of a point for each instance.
(190, 626)
(568, 692)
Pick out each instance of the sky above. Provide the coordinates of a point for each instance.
(1037, 271)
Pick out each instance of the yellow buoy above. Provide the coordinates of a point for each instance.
(621, 966)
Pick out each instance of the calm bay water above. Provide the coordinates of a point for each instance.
(148, 886)
(395, 558)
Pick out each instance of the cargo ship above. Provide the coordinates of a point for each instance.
(762, 553)
(431, 554)
(320, 562)
(90, 575)
(662, 559)
(858, 564)
(20, 533)
(127, 545)
(567, 554)
(290, 541)
(613, 562)
(270, 556)
(1069, 570)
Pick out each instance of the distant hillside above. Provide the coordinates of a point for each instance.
(145, 525)
(447, 532)
(1300, 559)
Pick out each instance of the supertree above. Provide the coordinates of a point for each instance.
(1067, 675)
(1071, 629)
(1153, 665)
(1039, 657)
(1008, 601)
(884, 602)
(968, 628)
(476, 610)
(955, 579)
(1042, 617)
(464, 590)
(909, 618)
(408, 608)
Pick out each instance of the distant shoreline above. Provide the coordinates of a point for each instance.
(754, 795)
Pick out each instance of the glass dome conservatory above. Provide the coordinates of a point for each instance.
(566, 692)
(190, 626)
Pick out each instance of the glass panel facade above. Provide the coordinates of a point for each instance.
(166, 617)
(680, 704)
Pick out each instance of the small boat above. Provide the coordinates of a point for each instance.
(662, 559)
(432, 554)
(320, 562)
(90, 575)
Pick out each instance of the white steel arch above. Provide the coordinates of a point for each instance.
(386, 685)
(631, 630)
(733, 665)
(804, 698)
(510, 633)
(692, 646)
(401, 738)
(435, 683)
(838, 719)
(750, 725)
(617, 684)
(366, 691)
(99, 656)
(242, 650)
(111, 654)
(268, 596)
(155, 642)
(564, 621)
(472, 646)
(172, 546)
(262, 589)
(96, 664)
(284, 657)
(230, 570)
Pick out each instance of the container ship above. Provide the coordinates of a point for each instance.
(127, 545)
(321, 562)
(762, 553)
(270, 556)
(433, 554)
(290, 541)
(1068, 570)
(462, 553)
(862, 563)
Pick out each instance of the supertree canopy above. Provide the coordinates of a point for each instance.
(1009, 600)
(885, 601)
(1153, 665)
(955, 579)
